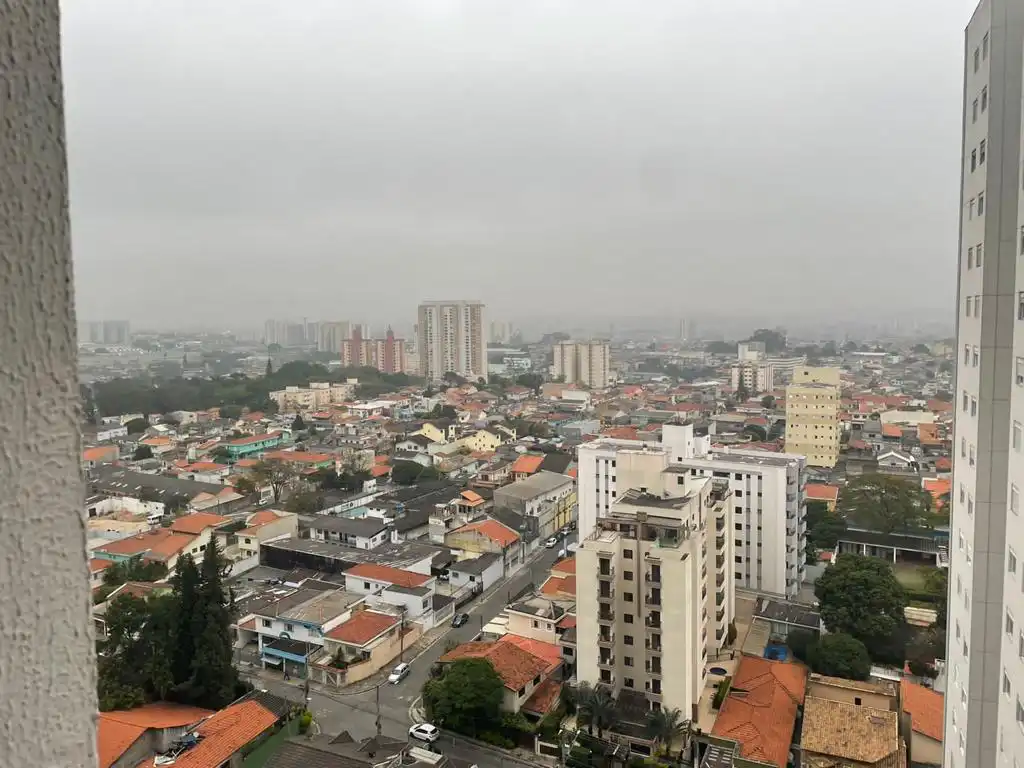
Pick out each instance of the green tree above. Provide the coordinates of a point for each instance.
(133, 569)
(742, 393)
(532, 381)
(823, 528)
(887, 504)
(137, 426)
(277, 474)
(923, 649)
(453, 379)
(768, 402)
(121, 658)
(304, 503)
(936, 584)
(840, 655)
(860, 596)
(756, 432)
(270, 368)
(800, 642)
(774, 341)
(467, 699)
(596, 708)
(185, 584)
(721, 347)
(214, 679)
(665, 726)
(142, 452)
(298, 423)
(230, 411)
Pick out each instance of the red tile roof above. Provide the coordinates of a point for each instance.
(158, 544)
(514, 666)
(821, 492)
(559, 585)
(379, 470)
(197, 522)
(550, 652)
(388, 574)
(224, 734)
(761, 708)
(100, 452)
(925, 708)
(527, 463)
(892, 430)
(566, 566)
(118, 730)
(494, 531)
(363, 627)
(255, 438)
(96, 565)
(543, 698)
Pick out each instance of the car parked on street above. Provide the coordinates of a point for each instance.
(551, 543)
(398, 674)
(460, 619)
(424, 732)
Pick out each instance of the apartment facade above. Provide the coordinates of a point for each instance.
(768, 529)
(582, 362)
(812, 415)
(984, 701)
(452, 338)
(654, 593)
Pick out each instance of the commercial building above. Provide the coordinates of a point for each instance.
(654, 592)
(984, 701)
(768, 530)
(452, 338)
(812, 415)
(582, 362)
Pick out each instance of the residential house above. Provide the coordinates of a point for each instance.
(483, 440)
(545, 499)
(102, 454)
(370, 640)
(118, 482)
(204, 472)
(486, 536)
(265, 525)
(159, 545)
(839, 733)
(342, 751)
(415, 444)
(437, 430)
(922, 713)
(159, 444)
(823, 492)
(895, 462)
(526, 465)
(760, 710)
(104, 433)
(125, 738)
(520, 671)
(360, 532)
(253, 446)
(878, 694)
(96, 568)
(408, 592)
(537, 618)
(477, 573)
(303, 461)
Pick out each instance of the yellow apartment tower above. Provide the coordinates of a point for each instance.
(812, 415)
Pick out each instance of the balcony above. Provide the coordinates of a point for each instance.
(607, 617)
(606, 641)
(653, 577)
(720, 614)
(790, 531)
(652, 624)
(719, 634)
(719, 542)
(719, 579)
(608, 575)
(720, 524)
(720, 561)
(652, 670)
(652, 646)
(720, 597)
(606, 595)
(653, 599)
(606, 662)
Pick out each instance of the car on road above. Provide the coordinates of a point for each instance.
(398, 674)
(460, 619)
(562, 553)
(551, 543)
(424, 732)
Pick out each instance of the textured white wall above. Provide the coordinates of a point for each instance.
(47, 664)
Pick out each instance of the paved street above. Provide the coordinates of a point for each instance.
(356, 713)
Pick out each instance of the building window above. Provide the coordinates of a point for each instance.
(1011, 562)
(1006, 685)
(981, 152)
(627, 639)
(970, 208)
(1020, 712)
(984, 46)
(984, 98)
(967, 354)
(628, 682)
(628, 618)
(978, 251)
(974, 160)
(977, 59)
(974, 406)
(1016, 435)
(981, 203)
(963, 493)
(1018, 364)
(627, 554)
(1014, 498)
(974, 357)
(627, 660)
(627, 575)
(627, 596)
(974, 112)
(267, 623)
(966, 401)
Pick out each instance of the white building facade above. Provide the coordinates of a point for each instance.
(452, 338)
(767, 524)
(984, 698)
(582, 362)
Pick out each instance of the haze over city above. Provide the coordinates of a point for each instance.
(330, 159)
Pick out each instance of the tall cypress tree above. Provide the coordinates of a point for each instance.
(214, 678)
(186, 583)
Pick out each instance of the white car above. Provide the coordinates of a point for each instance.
(551, 543)
(398, 674)
(562, 553)
(425, 732)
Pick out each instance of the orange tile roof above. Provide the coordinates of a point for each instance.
(566, 566)
(550, 652)
(943, 464)
(379, 470)
(514, 666)
(494, 531)
(246, 463)
(892, 430)
(938, 487)
(96, 565)
(204, 466)
(100, 452)
(363, 627)
(386, 573)
(118, 730)
(156, 440)
(821, 492)
(527, 463)
(760, 710)
(568, 622)
(543, 698)
(471, 496)
(298, 457)
(925, 708)
(559, 585)
(197, 522)
(224, 734)
(160, 544)
(255, 438)
(262, 517)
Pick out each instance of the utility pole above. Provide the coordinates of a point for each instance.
(377, 689)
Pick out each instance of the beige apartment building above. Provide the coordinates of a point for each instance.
(451, 338)
(654, 590)
(812, 415)
(582, 362)
(316, 395)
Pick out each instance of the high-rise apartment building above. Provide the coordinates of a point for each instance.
(113, 332)
(582, 362)
(330, 335)
(984, 697)
(452, 338)
(768, 532)
(653, 590)
(813, 428)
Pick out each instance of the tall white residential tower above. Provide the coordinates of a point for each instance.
(452, 338)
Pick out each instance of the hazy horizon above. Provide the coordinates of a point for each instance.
(342, 160)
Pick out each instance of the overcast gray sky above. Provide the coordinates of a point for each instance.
(243, 159)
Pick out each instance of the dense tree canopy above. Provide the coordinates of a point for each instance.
(823, 529)
(887, 504)
(860, 596)
(467, 699)
(840, 655)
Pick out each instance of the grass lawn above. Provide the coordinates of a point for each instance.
(910, 575)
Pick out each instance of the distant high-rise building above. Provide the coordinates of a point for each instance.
(501, 332)
(113, 332)
(452, 339)
(330, 335)
(582, 362)
(984, 672)
(812, 415)
(386, 355)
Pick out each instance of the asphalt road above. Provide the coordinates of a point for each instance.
(357, 713)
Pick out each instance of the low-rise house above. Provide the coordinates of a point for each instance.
(370, 640)
(204, 472)
(879, 694)
(159, 545)
(484, 440)
(546, 499)
(359, 532)
(437, 430)
(118, 482)
(477, 573)
(416, 444)
(526, 465)
(760, 710)
(923, 718)
(411, 594)
(253, 446)
(520, 671)
(302, 460)
(837, 733)
(104, 433)
(487, 536)
(101, 454)
(342, 751)
(823, 492)
(159, 444)
(265, 525)
(125, 738)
